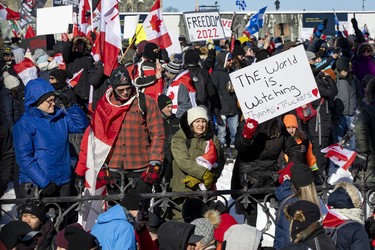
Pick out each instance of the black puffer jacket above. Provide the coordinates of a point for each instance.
(257, 157)
(220, 78)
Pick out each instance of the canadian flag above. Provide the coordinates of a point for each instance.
(110, 35)
(83, 16)
(208, 160)
(26, 70)
(29, 32)
(59, 60)
(8, 14)
(155, 28)
(95, 147)
(75, 79)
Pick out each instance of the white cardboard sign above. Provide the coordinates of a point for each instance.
(53, 20)
(227, 24)
(276, 85)
(203, 25)
(130, 26)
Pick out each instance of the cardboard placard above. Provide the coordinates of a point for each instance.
(227, 24)
(276, 85)
(53, 20)
(203, 25)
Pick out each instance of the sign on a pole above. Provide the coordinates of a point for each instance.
(203, 25)
(53, 20)
(274, 86)
(227, 24)
(130, 26)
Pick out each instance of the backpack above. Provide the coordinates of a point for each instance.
(332, 231)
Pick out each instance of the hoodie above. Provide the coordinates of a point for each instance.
(114, 231)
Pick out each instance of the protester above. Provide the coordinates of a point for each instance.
(41, 142)
(7, 158)
(18, 235)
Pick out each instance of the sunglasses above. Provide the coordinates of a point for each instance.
(366, 51)
(121, 91)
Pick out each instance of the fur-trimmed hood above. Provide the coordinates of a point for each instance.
(352, 191)
(364, 46)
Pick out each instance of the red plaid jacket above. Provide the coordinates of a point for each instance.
(140, 140)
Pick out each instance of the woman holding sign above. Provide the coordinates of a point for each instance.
(259, 147)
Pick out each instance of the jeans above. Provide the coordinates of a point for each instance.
(232, 122)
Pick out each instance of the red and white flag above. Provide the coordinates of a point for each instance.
(95, 147)
(29, 32)
(155, 28)
(75, 79)
(110, 35)
(26, 70)
(8, 14)
(84, 14)
(58, 58)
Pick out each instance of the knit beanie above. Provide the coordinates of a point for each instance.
(238, 51)
(141, 47)
(149, 51)
(242, 236)
(310, 55)
(163, 101)
(290, 120)
(191, 57)
(60, 237)
(131, 200)
(38, 211)
(302, 175)
(43, 98)
(61, 75)
(203, 227)
(342, 64)
(196, 113)
(79, 239)
(10, 82)
(302, 214)
(173, 67)
(193, 208)
(120, 77)
(261, 55)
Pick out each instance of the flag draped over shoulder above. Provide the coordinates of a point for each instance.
(256, 21)
(155, 28)
(26, 70)
(8, 14)
(110, 35)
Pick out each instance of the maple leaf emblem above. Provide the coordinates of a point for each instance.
(155, 23)
(171, 95)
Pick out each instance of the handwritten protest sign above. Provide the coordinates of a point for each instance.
(227, 24)
(203, 25)
(276, 85)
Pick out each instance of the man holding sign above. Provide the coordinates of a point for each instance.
(265, 91)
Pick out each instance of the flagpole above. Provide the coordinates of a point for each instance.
(92, 26)
(133, 41)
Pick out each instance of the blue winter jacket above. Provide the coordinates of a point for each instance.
(113, 230)
(41, 140)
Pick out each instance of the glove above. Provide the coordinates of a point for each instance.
(64, 99)
(219, 121)
(210, 44)
(79, 181)
(359, 163)
(249, 129)
(151, 175)
(50, 189)
(208, 179)
(208, 160)
(191, 181)
(285, 173)
(354, 22)
(318, 180)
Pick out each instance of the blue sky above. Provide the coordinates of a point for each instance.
(285, 5)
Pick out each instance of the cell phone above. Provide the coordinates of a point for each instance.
(70, 28)
(143, 211)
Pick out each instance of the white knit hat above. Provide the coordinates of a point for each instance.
(196, 113)
(10, 81)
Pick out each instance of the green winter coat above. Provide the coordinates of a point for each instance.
(184, 162)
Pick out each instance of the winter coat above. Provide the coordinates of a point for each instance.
(7, 158)
(365, 133)
(171, 126)
(174, 235)
(201, 80)
(220, 79)
(328, 90)
(257, 157)
(184, 162)
(363, 65)
(41, 140)
(11, 105)
(346, 100)
(48, 233)
(113, 230)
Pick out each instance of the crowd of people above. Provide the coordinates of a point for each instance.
(175, 119)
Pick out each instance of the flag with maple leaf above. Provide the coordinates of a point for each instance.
(8, 14)
(155, 28)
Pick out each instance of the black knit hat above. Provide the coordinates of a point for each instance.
(43, 98)
(79, 239)
(193, 208)
(301, 214)
(238, 51)
(191, 57)
(149, 51)
(301, 175)
(61, 75)
(38, 211)
(340, 199)
(342, 64)
(15, 232)
(163, 101)
(131, 200)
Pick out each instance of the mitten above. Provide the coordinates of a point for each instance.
(359, 163)
(249, 129)
(318, 180)
(50, 189)
(191, 181)
(354, 22)
(151, 174)
(285, 173)
(64, 99)
(208, 160)
(208, 179)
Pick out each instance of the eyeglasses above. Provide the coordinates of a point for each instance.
(121, 91)
(366, 51)
(50, 101)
